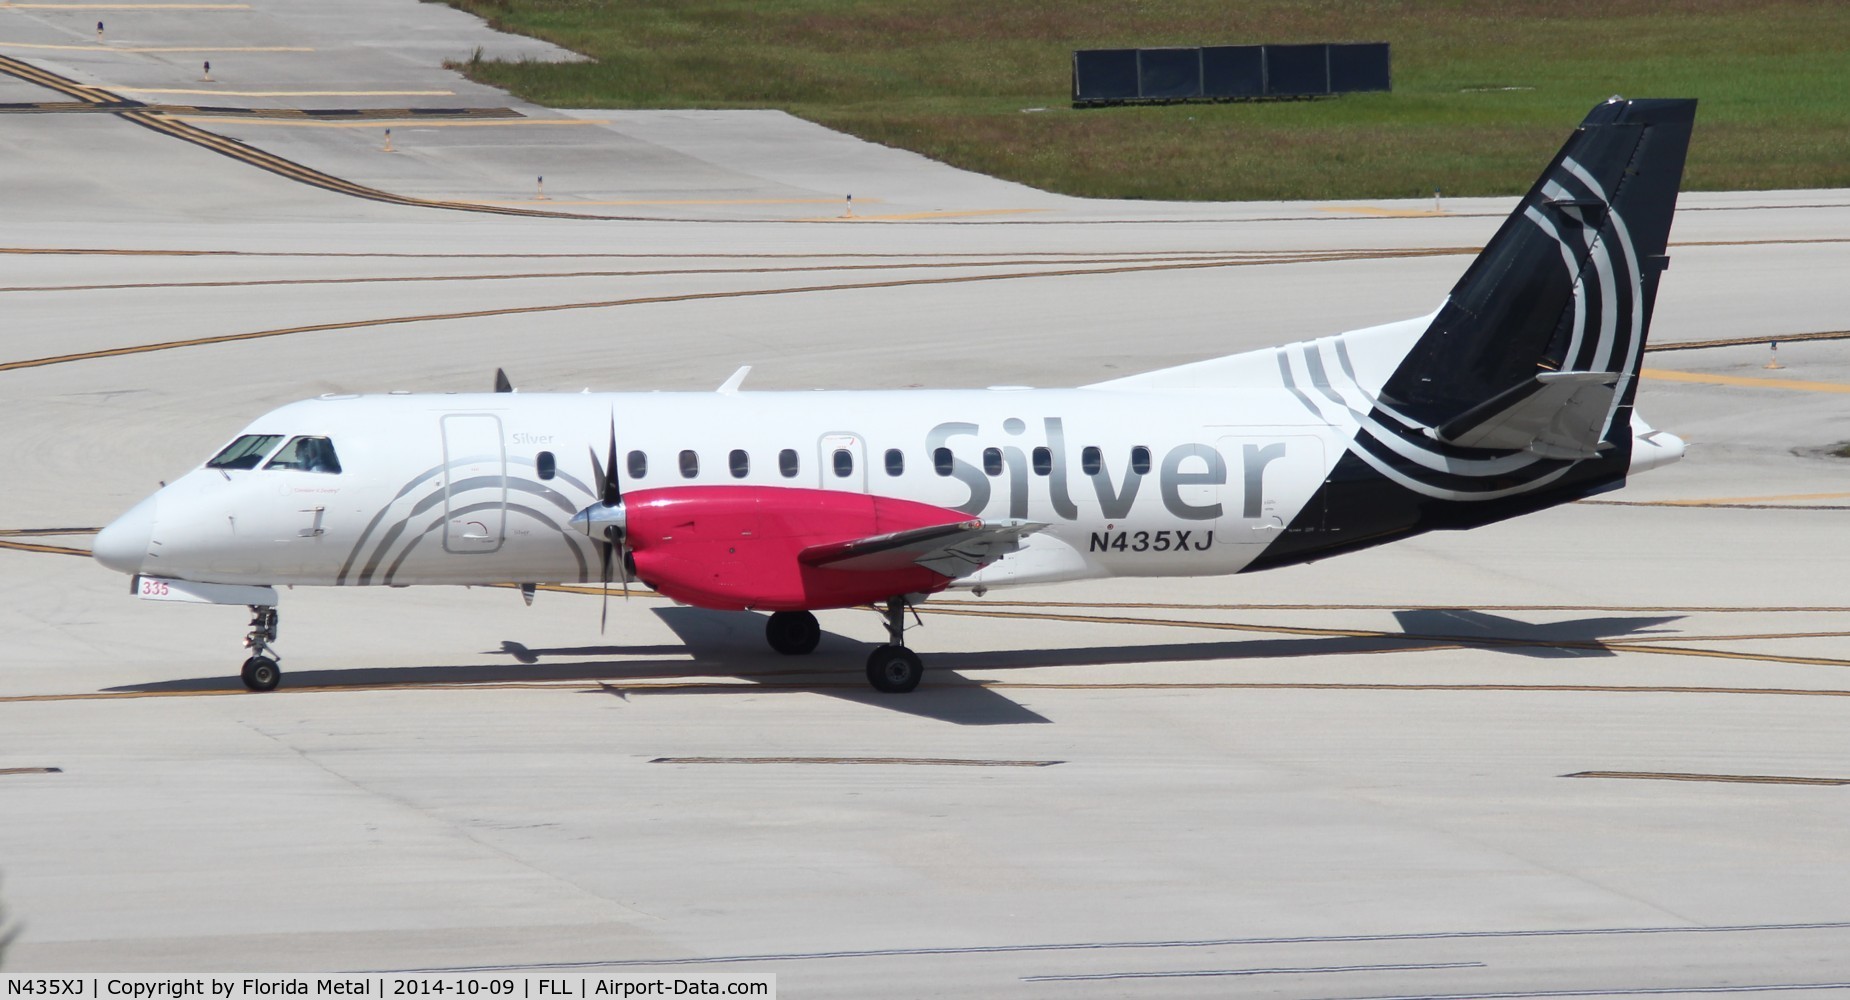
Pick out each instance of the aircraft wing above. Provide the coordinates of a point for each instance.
(954, 550)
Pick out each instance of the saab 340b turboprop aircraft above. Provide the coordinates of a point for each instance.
(1514, 395)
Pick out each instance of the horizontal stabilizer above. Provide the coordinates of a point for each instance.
(952, 550)
(1557, 415)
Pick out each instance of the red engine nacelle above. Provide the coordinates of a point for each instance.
(735, 547)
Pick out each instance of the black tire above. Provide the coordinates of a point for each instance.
(260, 673)
(894, 669)
(793, 633)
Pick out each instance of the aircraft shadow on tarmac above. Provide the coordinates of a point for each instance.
(713, 644)
(728, 644)
(719, 637)
(1555, 640)
(1432, 630)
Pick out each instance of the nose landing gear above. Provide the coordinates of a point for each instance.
(260, 671)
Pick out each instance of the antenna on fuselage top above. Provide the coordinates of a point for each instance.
(501, 382)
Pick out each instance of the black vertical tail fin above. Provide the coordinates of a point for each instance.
(1518, 394)
(1567, 284)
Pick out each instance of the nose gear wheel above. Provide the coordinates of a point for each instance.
(260, 672)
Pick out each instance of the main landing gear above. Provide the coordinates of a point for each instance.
(260, 672)
(893, 668)
(793, 633)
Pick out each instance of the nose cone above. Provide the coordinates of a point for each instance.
(124, 544)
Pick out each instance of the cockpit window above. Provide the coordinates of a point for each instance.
(308, 454)
(245, 452)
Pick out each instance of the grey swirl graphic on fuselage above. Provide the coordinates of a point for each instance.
(369, 554)
(436, 527)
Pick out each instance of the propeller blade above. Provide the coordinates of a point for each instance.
(610, 497)
(612, 491)
(597, 477)
(606, 551)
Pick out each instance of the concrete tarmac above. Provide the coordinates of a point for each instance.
(1595, 751)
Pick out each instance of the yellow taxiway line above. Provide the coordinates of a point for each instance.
(289, 93)
(938, 602)
(941, 214)
(404, 123)
(1424, 641)
(1784, 338)
(617, 303)
(1699, 378)
(56, 550)
(1781, 498)
(902, 761)
(1748, 779)
(156, 48)
(1386, 213)
(529, 275)
(753, 684)
(6, 4)
(658, 201)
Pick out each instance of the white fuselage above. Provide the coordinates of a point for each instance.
(1185, 471)
(437, 489)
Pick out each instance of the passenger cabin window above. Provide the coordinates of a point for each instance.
(895, 462)
(690, 464)
(787, 463)
(245, 452)
(1091, 460)
(639, 465)
(992, 461)
(306, 454)
(844, 463)
(1140, 460)
(941, 461)
(739, 463)
(1043, 462)
(545, 465)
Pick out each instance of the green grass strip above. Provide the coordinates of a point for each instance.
(1483, 92)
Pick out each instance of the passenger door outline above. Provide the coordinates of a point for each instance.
(825, 462)
(474, 483)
